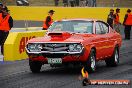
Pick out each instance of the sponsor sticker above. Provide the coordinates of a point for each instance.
(109, 82)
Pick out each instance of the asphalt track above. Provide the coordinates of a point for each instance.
(21, 24)
(17, 74)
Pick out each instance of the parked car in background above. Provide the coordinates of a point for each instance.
(75, 41)
(22, 2)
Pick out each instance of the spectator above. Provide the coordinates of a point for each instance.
(5, 26)
(110, 18)
(94, 3)
(127, 23)
(77, 2)
(91, 3)
(72, 3)
(87, 2)
(82, 3)
(117, 20)
(56, 2)
(65, 3)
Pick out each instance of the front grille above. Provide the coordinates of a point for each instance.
(55, 47)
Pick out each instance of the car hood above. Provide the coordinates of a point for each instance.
(61, 37)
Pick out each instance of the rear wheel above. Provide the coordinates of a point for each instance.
(114, 60)
(91, 62)
(35, 66)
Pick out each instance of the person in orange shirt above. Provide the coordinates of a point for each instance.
(127, 23)
(48, 21)
(117, 21)
(6, 23)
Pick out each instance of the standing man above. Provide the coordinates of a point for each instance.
(94, 3)
(110, 18)
(48, 21)
(6, 23)
(65, 3)
(82, 3)
(117, 21)
(77, 2)
(127, 23)
(56, 2)
(72, 3)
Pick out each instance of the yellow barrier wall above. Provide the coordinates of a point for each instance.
(39, 13)
(14, 47)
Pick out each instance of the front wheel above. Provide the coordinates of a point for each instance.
(91, 62)
(114, 60)
(35, 66)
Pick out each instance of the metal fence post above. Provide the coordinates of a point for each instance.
(26, 24)
(113, 4)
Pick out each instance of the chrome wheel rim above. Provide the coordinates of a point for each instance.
(93, 62)
(116, 56)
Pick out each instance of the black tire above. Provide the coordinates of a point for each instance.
(114, 60)
(35, 66)
(91, 62)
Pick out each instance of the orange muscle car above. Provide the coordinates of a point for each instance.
(75, 41)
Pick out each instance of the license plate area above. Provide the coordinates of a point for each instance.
(54, 60)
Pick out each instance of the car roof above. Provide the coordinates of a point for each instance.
(83, 19)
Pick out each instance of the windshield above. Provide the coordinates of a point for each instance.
(75, 26)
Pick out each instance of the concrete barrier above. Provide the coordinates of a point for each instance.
(39, 13)
(14, 47)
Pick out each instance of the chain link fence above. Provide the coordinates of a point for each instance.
(114, 3)
(73, 3)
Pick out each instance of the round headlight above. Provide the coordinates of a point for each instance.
(31, 47)
(71, 47)
(39, 46)
(78, 47)
(75, 47)
(34, 47)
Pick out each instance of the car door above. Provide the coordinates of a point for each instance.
(108, 35)
(101, 40)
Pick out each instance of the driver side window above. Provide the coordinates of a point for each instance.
(98, 28)
(105, 28)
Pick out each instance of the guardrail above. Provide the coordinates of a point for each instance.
(14, 47)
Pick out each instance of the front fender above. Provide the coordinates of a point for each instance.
(87, 49)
